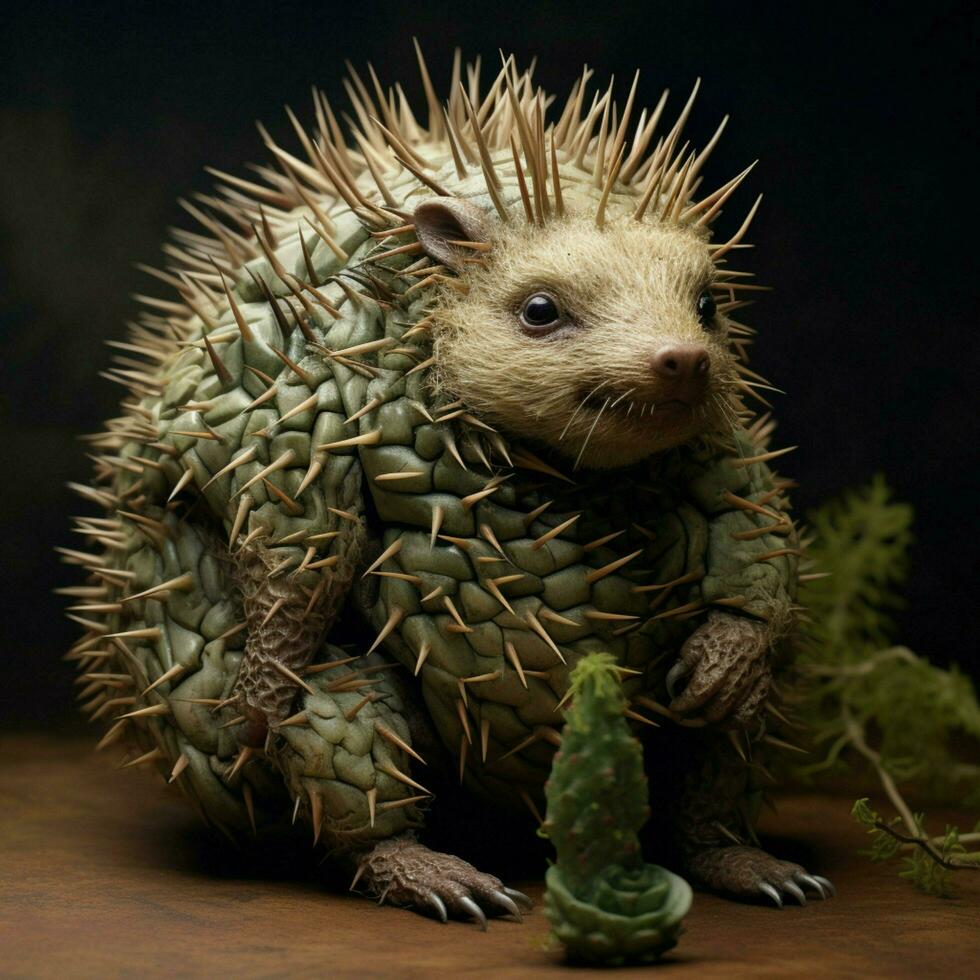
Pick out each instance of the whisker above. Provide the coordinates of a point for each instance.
(719, 405)
(581, 405)
(622, 396)
(578, 459)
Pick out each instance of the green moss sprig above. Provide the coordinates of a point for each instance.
(880, 705)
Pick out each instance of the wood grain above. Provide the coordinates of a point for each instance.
(105, 873)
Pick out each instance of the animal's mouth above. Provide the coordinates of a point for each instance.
(634, 406)
(633, 420)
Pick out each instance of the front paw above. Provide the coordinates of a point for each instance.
(726, 664)
(749, 873)
(404, 872)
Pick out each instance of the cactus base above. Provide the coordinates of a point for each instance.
(632, 916)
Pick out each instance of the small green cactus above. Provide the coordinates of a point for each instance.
(605, 904)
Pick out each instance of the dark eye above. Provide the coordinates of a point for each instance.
(539, 312)
(707, 308)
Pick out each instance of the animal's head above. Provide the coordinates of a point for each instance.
(605, 343)
(589, 312)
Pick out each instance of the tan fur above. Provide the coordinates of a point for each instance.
(631, 289)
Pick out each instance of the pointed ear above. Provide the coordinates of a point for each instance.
(441, 221)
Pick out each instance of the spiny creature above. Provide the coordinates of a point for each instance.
(477, 382)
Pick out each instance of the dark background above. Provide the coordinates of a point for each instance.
(864, 117)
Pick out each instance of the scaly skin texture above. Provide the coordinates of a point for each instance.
(314, 435)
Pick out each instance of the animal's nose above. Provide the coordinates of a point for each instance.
(681, 362)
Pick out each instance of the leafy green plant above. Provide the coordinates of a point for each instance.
(932, 859)
(882, 705)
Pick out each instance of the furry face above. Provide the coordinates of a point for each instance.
(603, 343)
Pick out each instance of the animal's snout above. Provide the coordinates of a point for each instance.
(684, 363)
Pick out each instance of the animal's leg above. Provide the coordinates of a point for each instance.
(750, 565)
(713, 820)
(287, 615)
(291, 595)
(350, 765)
(725, 664)
(291, 510)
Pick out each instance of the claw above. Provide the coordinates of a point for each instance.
(794, 890)
(474, 910)
(808, 881)
(827, 884)
(522, 899)
(508, 903)
(772, 893)
(439, 905)
(678, 671)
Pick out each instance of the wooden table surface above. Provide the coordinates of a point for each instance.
(104, 873)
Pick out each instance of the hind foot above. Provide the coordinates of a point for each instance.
(749, 873)
(404, 872)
